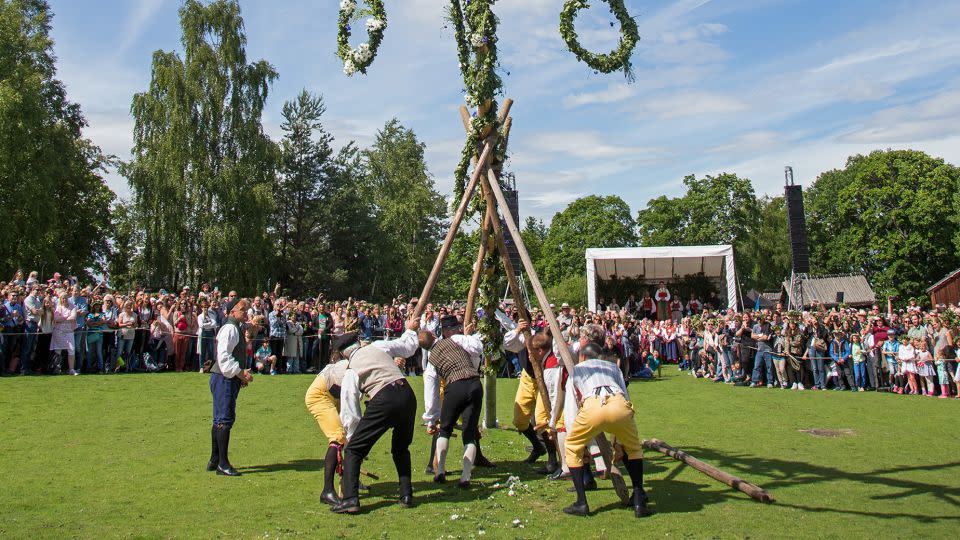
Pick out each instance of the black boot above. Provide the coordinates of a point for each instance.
(330, 461)
(224, 468)
(551, 447)
(214, 451)
(406, 492)
(639, 498)
(481, 460)
(589, 482)
(579, 507)
(433, 453)
(538, 449)
(347, 506)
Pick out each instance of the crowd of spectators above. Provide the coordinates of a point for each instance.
(58, 325)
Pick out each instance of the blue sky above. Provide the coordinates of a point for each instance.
(744, 86)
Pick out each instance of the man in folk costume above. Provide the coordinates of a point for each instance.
(372, 371)
(662, 296)
(323, 402)
(554, 377)
(648, 306)
(597, 401)
(226, 379)
(451, 329)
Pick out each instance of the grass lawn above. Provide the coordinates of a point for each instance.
(123, 456)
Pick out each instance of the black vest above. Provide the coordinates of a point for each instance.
(240, 351)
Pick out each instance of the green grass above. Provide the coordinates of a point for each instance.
(122, 456)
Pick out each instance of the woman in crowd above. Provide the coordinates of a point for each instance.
(64, 324)
(127, 323)
(181, 337)
(109, 341)
(293, 344)
(207, 334)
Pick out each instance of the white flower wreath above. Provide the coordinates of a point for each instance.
(360, 58)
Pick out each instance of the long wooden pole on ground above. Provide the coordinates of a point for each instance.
(565, 354)
(756, 492)
(485, 156)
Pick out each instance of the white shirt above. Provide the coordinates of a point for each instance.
(226, 365)
(350, 394)
(587, 377)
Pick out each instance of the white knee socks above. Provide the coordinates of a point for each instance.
(443, 444)
(469, 456)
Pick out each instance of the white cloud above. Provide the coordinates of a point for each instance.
(690, 103)
(552, 198)
(586, 145)
(757, 141)
(612, 94)
(142, 12)
(931, 118)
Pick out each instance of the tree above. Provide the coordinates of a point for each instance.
(409, 211)
(534, 234)
(125, 261)
(719, 209)
(304, 182)
(202, 169)
(890, 215)
(57, 216)
(766, 253)
(588, 222)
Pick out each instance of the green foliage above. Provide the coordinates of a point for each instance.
(57, 216)
(616, 60)
(203, 170)
(125, 260)
(891, 215)
(458, 269)
(571, 289)
(534, 234)
(588, 222)
(409, 211)
(722, 209)
(766, 252)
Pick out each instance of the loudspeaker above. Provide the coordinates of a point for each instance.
(513, 203)
(797, 225)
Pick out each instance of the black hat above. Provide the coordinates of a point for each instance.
(344, 341)
(449, 321)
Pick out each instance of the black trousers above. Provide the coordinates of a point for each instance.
(747, 354)
(464, 397)
(394, 407)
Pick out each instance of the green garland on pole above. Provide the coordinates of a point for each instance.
(359, 59)
(617, 59)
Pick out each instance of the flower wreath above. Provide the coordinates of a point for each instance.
(616, 59)
(359, 59)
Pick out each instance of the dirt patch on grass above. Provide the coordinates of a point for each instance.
(831, 433)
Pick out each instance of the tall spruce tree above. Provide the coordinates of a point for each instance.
(202, 171)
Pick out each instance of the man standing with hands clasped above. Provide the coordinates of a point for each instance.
(226, 379)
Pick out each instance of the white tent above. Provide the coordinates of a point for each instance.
(662, 263)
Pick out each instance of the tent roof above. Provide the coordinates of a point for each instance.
(654, 263)
(855, 288)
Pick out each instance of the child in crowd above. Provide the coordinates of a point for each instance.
(859, 362)
(943, 370)
(925, 368)
(907, 356)
(890, 349)
(264, 358)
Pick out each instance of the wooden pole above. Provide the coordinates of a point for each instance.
(618, 483)
(757, 493)
(454, 227)
(535, 363)
(470, 311)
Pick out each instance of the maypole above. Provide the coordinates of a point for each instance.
(487, 128)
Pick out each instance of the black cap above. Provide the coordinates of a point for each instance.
(344, 341)
(449, 321)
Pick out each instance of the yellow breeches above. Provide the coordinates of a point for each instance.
(611, 414)
(526, 405)
(326, 409)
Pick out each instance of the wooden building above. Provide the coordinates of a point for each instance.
(947, 290)
(830, 291)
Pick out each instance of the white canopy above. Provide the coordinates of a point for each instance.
(662, 263)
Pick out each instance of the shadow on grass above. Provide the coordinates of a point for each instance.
(299, 465)
(673, 496)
